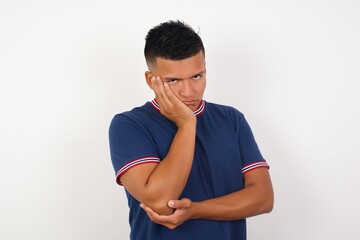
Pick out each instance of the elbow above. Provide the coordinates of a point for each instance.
(163, 209)
(268, 207)
(268, 203)
(158, 201)
(160, 207)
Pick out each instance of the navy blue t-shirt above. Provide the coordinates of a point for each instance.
(225, 149)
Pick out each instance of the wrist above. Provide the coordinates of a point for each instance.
(196, 210)
(189, 123)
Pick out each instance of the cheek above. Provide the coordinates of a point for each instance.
(201, 87)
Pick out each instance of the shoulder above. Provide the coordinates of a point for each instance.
(134, 114)
(129, 118)
(224, 111)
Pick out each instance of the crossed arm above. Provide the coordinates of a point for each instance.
(255, 198)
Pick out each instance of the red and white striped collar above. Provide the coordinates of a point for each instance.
(199, 110)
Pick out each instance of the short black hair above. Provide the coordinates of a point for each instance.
(173, 40)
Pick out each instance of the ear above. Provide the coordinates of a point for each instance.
(148, 76)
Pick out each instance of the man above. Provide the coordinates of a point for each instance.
(191, 169)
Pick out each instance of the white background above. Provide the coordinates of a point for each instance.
(66, 67)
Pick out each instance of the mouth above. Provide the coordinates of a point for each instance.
(190, 102)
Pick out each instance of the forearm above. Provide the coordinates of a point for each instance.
(168, 179)
(250, 201)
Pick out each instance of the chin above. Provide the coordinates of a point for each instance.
(193, 108)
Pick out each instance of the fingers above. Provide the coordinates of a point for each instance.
(176, 204)
(163, 92)
(170, 106)
(149, 211)
(152, 215)
(166, 221)
(159, 90)
(170, 95)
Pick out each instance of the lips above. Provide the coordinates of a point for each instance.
(191, 102)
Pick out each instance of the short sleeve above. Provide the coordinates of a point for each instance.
(249, 151)
(129, 145)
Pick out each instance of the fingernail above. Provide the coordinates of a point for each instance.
(171, 203)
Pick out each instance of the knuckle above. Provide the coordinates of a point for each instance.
(175, 222)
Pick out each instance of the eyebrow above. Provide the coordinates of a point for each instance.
(175, 78)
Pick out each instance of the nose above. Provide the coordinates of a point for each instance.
(186, 88)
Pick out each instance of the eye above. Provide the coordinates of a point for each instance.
(172, 81)
(196, 77)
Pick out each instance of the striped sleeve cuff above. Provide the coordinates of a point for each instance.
(134, 163)
(254, 165)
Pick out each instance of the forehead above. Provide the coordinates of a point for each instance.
(180, 68)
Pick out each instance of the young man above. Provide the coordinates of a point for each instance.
(191, 169)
